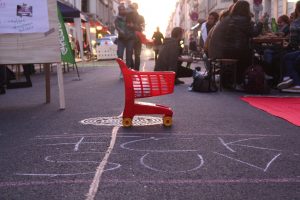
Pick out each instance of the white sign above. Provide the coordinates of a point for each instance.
(24, 16)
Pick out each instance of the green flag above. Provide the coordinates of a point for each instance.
(65, 46)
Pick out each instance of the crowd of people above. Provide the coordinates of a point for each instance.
(225, 35)
(128, 24)
(228, 35)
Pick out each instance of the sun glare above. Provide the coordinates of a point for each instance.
(156, 14)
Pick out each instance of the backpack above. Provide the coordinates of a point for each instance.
(254, 82)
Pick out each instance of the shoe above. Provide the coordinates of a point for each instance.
(177, 82)
(239, 88)
(285, 84)
(190, 88)
(294, 89)
(267, 77)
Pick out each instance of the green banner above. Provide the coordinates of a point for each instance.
(65, 46)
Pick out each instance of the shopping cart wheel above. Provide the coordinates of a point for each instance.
(127, 122)
(167, 121)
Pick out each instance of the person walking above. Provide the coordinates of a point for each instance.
(158, 39)
(138, 25)
(126, 36)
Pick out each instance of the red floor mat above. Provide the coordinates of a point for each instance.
(287, 108)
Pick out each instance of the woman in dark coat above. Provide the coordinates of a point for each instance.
(231, 37)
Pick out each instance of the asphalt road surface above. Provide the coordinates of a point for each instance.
(219, 147)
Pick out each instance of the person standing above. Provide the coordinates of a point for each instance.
(257, 8)
(158, 39)
(139, 25)
(126, 36)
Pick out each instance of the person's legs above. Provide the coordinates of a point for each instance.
(137, 55)
(121, 49)
(2, 79)
(290, 73)
(26, 69)
(184, 72)
(244, 61)
(155, 55)
(297, 66)
(129, 53)
(292, 67)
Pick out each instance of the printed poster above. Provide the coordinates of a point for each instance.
(24, 16)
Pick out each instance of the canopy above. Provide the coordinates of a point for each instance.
(69, 13)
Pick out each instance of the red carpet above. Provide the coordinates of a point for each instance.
(287, 108)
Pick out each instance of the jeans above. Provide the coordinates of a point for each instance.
(121, 48)
(137, 55)
(127, 46)
(129, 53)
(290, 64)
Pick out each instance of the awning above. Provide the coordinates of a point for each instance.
(69, 13)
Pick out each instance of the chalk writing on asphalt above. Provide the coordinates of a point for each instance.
(83, 149)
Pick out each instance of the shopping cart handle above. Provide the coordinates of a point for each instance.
(126, 69)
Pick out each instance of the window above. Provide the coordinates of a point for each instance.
(85, 5)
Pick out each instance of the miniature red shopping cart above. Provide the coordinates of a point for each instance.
(142, 85)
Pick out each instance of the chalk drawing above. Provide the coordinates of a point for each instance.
(226, 145)
(142, 161)
(254, 147)
(114, 167)
(249, 164)
(94, 187)
(77, 144)
(233, 142)
(124, 145)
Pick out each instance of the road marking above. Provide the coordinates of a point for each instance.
(94, 187)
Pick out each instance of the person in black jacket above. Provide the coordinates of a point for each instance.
(231, 37)
(169, 56)
(158, 39)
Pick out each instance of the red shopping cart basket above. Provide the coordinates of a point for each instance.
(142, 85)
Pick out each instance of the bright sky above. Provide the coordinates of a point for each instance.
(156, 13)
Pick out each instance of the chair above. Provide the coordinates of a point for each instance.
(219, 66)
